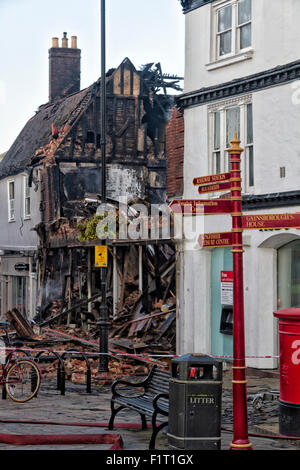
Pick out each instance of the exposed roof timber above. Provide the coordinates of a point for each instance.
(66, 112)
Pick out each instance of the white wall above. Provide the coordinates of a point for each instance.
(276, 38)
(276, 118)
(17, 235)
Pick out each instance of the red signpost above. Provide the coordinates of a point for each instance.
(239, 382)
(234, 238)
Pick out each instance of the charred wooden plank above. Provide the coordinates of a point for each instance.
(19, 323)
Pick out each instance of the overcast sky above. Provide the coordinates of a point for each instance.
(143, 30)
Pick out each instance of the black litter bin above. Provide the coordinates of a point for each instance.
(195, 398)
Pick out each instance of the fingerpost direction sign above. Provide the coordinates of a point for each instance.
(201, 206)
(211, 188)
(215, 240)
(211, 179)
(270, 221)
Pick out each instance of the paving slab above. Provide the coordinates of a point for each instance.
(78, 406)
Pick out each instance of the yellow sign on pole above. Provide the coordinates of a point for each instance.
(101, 256)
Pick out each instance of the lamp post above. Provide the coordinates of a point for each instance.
(239, 388)
(103, 322)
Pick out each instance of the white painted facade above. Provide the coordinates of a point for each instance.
(18, 243)
(275, 39)
(276, 141)
(276, 113)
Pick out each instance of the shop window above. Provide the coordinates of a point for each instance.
(19, 293)
(289, 275)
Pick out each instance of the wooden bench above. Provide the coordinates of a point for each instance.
(151, 402)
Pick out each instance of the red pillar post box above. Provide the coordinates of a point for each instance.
(289, 351)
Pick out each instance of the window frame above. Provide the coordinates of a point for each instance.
(222, 107)
(11, 201)
(235, 32)
(26, 195)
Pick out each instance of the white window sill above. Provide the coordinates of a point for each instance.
(229, 60)
(27, 217)
(11, 220)
(249, 192)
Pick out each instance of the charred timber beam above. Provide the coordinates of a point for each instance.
(78, 160)
(74, 244)
(65, 312)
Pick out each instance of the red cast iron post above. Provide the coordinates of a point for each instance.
(239, 387)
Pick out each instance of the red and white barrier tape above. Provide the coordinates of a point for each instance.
(97, 354)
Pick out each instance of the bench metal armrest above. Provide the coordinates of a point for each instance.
(156, 405)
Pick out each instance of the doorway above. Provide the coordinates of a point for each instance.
(221, 340)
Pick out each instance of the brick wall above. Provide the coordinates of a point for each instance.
(175, 153)
(64, 71)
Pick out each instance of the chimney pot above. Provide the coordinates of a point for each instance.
(64, 41)
(74, 42)
(54, 42)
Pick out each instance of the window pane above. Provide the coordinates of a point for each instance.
(232, 124)
(217, 162)
(244, 11)
(19, 293)
(224, 19)
(225, 43)
(289, 275)
(11, 209)
(27, 206)
(27, 189)
(249, 124)
(251, 167)
(245, 36)
(216, 130)
(11, 190)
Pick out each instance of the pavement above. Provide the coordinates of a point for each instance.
(79, 406)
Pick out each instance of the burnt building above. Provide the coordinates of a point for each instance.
(50, 178)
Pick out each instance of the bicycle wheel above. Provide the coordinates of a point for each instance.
(22, 380)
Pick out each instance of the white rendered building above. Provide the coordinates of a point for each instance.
(242, 74)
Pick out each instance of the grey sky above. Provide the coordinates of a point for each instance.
(143, 30)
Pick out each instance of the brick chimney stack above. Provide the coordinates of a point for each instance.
(64, 68)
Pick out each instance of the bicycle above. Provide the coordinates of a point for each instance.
(20, 376)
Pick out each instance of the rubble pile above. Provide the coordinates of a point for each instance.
(142, 327)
